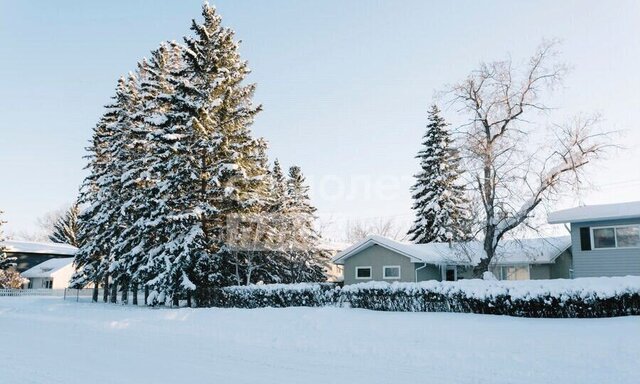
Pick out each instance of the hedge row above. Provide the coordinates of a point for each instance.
(593, 297)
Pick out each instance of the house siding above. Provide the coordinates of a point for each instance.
(561, 268)
(539, 271)
(430, 272)
(376, 257)
(603, 262)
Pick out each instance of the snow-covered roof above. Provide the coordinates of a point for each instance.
(47, 268)
(35, 247)
(596, 212)
(533, 251)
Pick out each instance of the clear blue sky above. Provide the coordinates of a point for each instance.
(344, 84)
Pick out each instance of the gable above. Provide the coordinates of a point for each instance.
(377, 254)
(378, 241)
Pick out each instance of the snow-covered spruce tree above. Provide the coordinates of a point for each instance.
(274, 269)
(209, 170)
(245, 206)
(304, 261)
(90, 260)
(100, 192)
(121, 148)
(442, 210)
(65, 230)
(143, 208)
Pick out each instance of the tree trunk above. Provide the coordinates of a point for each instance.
(483, 265)
(114, 293)
(238, 279)
(105, 293)
(189, 299)
(176, 302)
(124, 295)
(94, 296)
(134, 292)
(146, 295)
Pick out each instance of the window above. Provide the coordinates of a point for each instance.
(451, 274)
(363, 273)
(514, 272)
(391, 272)
(626, 236)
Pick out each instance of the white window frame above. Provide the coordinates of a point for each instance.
(384, 272)
(364, 278)
(615, 237)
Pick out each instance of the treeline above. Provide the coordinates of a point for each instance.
(181, 197)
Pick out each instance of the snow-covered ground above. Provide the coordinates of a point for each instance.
(48, 340)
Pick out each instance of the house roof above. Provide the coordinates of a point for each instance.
(47, 268)
(35, 247)
(596, 212)
(531, 251)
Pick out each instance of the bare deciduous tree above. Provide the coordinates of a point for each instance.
(509, 173)
(359, 230)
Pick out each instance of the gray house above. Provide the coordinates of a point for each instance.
(605, 239)
(378, 258)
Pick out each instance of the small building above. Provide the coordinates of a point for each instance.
(377, 258)
(29, 254)
(605, 239)
(52, 274)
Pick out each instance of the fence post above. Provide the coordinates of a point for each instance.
(64, 297)
(77, 295)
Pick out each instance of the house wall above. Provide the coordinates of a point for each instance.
(603, 262)
(36, 282)
(562, 267)
(539, 272)
(62, 276)
(376, 257)
(430, 272)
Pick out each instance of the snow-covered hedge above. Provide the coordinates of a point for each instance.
(589, 297)
(278, 295)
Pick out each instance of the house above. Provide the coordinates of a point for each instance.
(53, 274)
(605, 239)
(29, 254)
(377, 258)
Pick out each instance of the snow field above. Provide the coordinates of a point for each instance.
(49, 340)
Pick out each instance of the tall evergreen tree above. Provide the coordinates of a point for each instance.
(101, 191)
(305, 262)
(65, 229)
(442, 211)
(210, 170)
(144, 170)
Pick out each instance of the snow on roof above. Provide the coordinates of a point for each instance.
(532, 251)
(596, 212)
(34, 247)
(47, 268)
